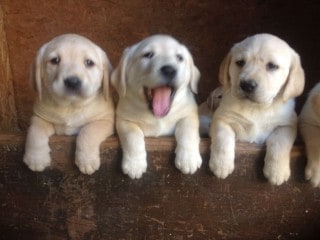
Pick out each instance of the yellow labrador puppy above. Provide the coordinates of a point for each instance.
(71, 75)
(309, 123)
(156, 79)
(207, 108)
(261, 76)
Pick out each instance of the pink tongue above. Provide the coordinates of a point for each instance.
(161, 101)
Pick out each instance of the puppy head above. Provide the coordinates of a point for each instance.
(262, 68)
(154, 70)
(214, 98)
(71, 68)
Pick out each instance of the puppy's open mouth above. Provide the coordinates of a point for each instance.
(160, 99)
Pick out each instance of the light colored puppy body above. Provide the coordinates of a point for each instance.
(155, 80)
(69, 119)
(71, 75)
(207, 108)
(254, 123)
(309, 125)
(261, 76)
(151, 125)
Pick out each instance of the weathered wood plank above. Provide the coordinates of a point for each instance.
(62, 203)
(8, 113)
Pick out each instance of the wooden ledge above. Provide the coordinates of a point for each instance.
(62, 203)
(166, 144)
(62, 149)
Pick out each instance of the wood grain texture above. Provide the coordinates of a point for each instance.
(8, 114)
(61, 203)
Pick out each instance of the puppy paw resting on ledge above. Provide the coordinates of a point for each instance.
(71, 75)
(309, 125)
(156, 79)
(261, 77)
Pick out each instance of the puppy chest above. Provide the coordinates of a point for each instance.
(253, 133)
(66, 130)
(70, 125)
(159, 127)
(255, 129)
(66, 120)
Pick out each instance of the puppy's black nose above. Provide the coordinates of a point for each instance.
(72, 83)
(248, 86)
(168, 72)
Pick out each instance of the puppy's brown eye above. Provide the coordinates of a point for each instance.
(148, 55)
(179, 57)
(240, 63)
(271, 66)
(89, 63)
(55, 60)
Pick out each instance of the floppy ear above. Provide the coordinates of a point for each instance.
(195, 77)
(118, 76)
(107, 69)
(195, 73)
(224, 76)
(295, 81)
(214, 98)
(36, 73)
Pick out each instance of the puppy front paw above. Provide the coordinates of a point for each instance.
(134, 167)
(87, 163)
(312, 173)
(221, 168)
(37, 161)
(277, 173)
(187, 161)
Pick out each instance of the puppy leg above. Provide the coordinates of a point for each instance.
(277, 161)
(37, 149)
(88, 145)
(311, 137)
(188, 158)
(134, 159)
(222, 155)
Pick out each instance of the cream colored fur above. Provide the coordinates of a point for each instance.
(309, 124)
(86, 109)
(207, 108)
(139, 68)
(266, 114)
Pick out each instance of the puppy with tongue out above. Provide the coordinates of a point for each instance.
(156, 79)
(160, 100)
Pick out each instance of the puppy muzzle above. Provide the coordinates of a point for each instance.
(73, 84)
(248, 86)
(249, 89)
(160, 97)
(168, 72)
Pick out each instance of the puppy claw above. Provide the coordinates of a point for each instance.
(278, 180)
(134, 168)
(88, 169)
(37, 161)
(133, 173)
(312, 173)
(221, 169)
(315, 182)
(86, 164)
(187, 162)
(276, 175)
(222, 172)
